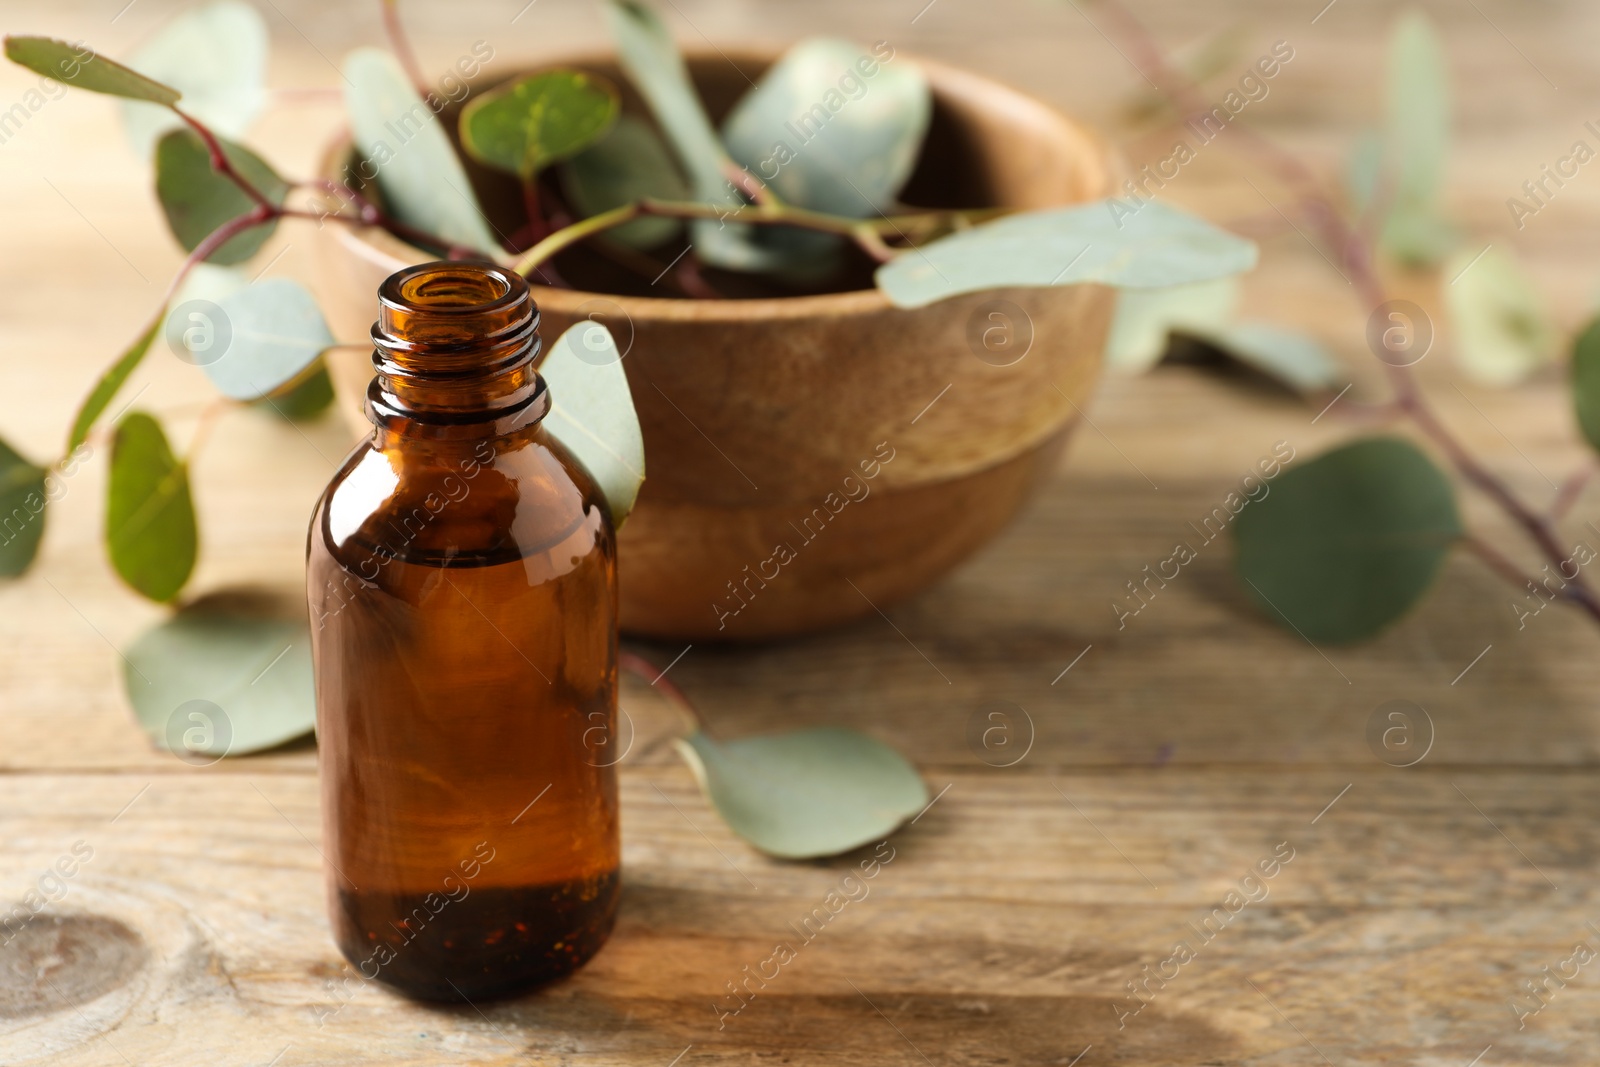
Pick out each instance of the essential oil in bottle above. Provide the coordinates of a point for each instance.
(462, 584)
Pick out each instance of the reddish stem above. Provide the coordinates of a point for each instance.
(640, 667)
(401, 45)
(1355, 251)
(220, 163)
(1570, 490)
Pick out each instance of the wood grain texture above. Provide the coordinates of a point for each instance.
(1175, 755)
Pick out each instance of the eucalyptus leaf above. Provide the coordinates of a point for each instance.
(1296, 359)
(1105, 243)
(1346, 544)
(251, 667)
(150, 525)
(629, 163)
(1144, 317)
(22, 504)
(94, 405)
(216, 56)
(305, 399)
(197, 199)
(645, 48)
(402, 141)
(271, 334)
(1417, 141)
(80, 67)
(832, 128)
(1586, 382)
(1501, 329)
(592, 414)
(535, 121)
(807, 793)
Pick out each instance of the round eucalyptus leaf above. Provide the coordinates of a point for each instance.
(216, 56)
(1144, 317)
(807, 793)
(406, 149)
(150, 526)
(1586, 382)
(629, 163)
(592, 413)
(1295, 359)
(304, 399)
(1501, 327)
(222, 677)
(276, 332)
(535, 121)
(22, 504)
(197, 199)
(1343, 546)
(80, 67)
(1108, 242)
(832, 127)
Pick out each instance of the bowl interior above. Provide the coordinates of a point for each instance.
(987, 146)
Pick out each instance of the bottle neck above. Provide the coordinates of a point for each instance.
(454, 348)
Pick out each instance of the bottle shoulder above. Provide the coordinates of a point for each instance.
(459, 502)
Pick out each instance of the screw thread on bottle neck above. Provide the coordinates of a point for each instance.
(456, 343)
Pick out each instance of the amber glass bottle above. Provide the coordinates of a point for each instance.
(462, 584)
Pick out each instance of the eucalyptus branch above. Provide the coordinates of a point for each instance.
(1355, 251)
(1496, 561)
(867, 233)
(400, 44)
(643, 669)
(1571, 488)
(220, 162)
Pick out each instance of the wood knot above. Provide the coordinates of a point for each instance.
(61, 961)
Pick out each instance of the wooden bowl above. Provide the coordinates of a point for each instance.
(763, 418)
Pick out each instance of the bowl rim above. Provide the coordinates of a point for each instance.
(386, 251)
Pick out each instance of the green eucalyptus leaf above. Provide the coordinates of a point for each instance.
(1501, 328)
(94, 405)
(78, 66)
(216, 56)
(535, 121)
(807, 793)
(222, 679)
(1296, 359)
(197, 199)
(1417, 142)
(1418, 131)
(266, 337)
(150, 525)
(832, 128)
(657, 70)
(1144, 317)
(591, 413)
(1346, 544)
(629, 163)
(306, 399)
(1586, 382)
(22, 503)
(1105, 243)
(400, 137)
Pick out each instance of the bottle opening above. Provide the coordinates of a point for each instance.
(455, 339)
(449, 286)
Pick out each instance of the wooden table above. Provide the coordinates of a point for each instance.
(1172, 758)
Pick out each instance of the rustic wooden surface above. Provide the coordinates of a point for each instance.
(1173, 757)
